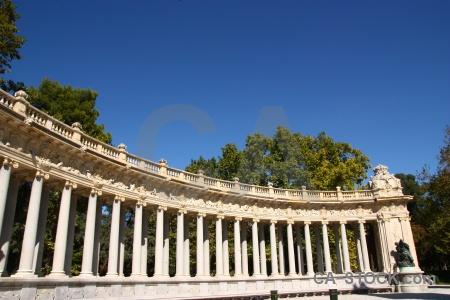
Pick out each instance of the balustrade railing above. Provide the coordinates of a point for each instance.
(149, 165)
(62, 129)
(6, 101)
(133, 160)
(42, 119)
(173, 172)
(89, 142)
(36, 115)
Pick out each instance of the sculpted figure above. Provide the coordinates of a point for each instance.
(404, 257)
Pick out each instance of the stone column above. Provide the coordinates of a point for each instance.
(273, 248)
(359, 251)
(159, 241)
(365, 253)
(383, 264)
(137, 240)
(290, 238)
(98, 224)
(186, 258)
(206, 258)
(89, 235)
(237, 247)
(200, 241)
(70, 236)
(244, 249)
(309, 258)
(301, 268)
(123, 215)
(166, 246)
(180, 244)
(40, 237)
(319, 252)
(255, 245)
(262, 250)
(31, 227)
(226, 252)
(339, 269)
(326, 247)
(62, 230)
(8, 222)
(345, 248)
(144, 248)
(5, 175)
(113, 257)
(219, 245)
(281, 249)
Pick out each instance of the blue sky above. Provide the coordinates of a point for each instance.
(180, 79)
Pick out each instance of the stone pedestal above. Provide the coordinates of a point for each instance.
(411, 281)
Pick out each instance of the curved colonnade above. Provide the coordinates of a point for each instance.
(53, 156)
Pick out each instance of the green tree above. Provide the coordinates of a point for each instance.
(10, 43)
(333, 164)
(290, 160)
(208, 166)
(433, 212)
(69, 105)
(229, 163)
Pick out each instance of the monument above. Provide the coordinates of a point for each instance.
(52, 156)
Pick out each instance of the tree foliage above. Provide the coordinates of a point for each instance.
(430, 210)
(10, 43)
(69, 105)
(289, 160)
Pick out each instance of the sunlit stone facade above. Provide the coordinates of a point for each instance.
(37, 148)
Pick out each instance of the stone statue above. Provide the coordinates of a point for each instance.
(385, 184)
(404, 257)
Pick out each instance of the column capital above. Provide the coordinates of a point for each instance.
(42, 174)
(162, 207)
(290, 221)
(142, 203)
(71, 184)
(256, 220)
(361, 221)
(307, 222)
(273, 221)
(182, 211)
(342, 222)
(220, 216)
(9, 162)
(238, 218)
(201, 214)
(120, 198)
(96, 191)
(325, 222)
(405, 218)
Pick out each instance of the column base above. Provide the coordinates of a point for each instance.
(161, 276)
(86, 274)
(24, 273)
(57, 274)
(112, 275)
